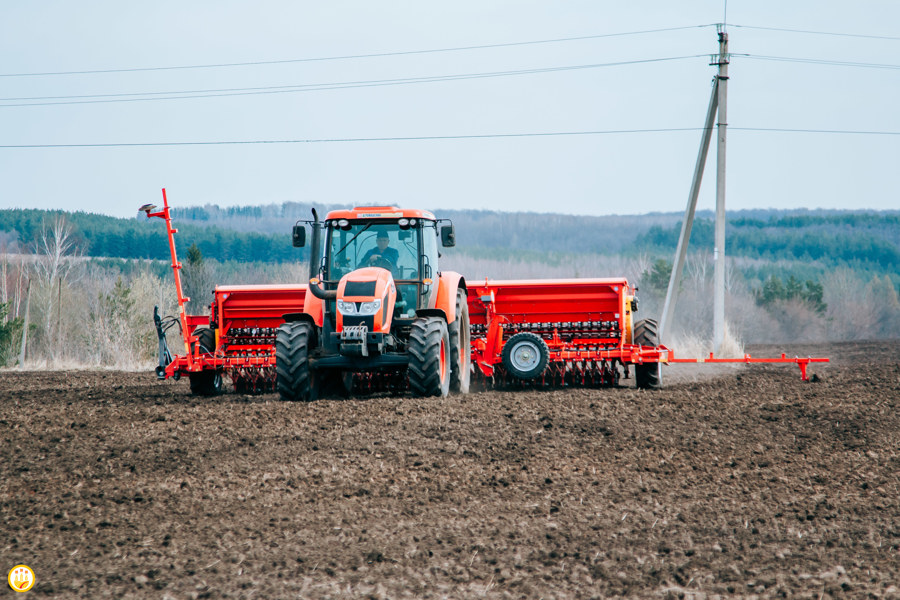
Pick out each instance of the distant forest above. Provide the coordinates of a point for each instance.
(83, 287)
(109, 237)
(865, 241)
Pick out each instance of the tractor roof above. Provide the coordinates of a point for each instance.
(380, 212)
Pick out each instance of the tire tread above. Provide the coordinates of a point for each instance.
(292, 372)
(647, 376)
(424, 350)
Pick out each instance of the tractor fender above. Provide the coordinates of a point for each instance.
(294, 317)
(445, 301)
(431, 312)
(313, 309)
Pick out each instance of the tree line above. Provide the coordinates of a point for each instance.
(846, 240)
(104, 236)
(865, 240)
(61, 306)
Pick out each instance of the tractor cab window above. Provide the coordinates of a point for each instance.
(410, 253)
(429, 261)
(430, 249)
(361, 244)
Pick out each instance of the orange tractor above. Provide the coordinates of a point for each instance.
(378, 314)
(377, 309)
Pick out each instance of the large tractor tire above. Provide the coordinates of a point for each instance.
(206, 342)
(429, 357)
(647, 376)
(295, 381)
(460, 346)
(206, 383)
(525, 355)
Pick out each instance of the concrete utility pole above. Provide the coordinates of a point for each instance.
(688, 222)
(719, 253)
(718, 103)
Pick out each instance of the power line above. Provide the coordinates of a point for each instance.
(820, 61)
(224, 92)
(437, 50)
(443, 137)
(830, 131)
(346, 140)
(216, 93)
(356, 56)
(808, 31)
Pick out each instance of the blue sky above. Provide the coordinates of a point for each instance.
(624, 173)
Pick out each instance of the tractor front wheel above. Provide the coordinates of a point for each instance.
(647, 376)
(460, 346)
(294, 379)
(429, 357)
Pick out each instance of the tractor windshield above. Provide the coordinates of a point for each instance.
(408, 252)
(371, 244)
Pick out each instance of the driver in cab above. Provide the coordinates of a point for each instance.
(381, 252)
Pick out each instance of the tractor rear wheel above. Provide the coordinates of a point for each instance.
(206, 342)
(294, 380)
(460, 346)
(429, 357)
(525, 355)
(647, 376)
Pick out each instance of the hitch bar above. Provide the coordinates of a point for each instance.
(803, 363)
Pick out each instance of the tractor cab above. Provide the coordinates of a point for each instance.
(402, 242)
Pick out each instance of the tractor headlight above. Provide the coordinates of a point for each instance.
(364, 309)
(369, 308)
(346, 308)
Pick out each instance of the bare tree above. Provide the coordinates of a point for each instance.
(198, 282)
(698, 267)
(55, 249)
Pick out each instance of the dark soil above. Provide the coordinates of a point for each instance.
(747, 484)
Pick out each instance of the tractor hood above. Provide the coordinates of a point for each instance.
(366, 297)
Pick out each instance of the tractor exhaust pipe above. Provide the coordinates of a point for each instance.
(320, 293)
(314, 260)
(315, 247)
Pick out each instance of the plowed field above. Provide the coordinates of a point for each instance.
(745, 482)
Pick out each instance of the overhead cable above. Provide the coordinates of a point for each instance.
(820, 61)
(831, 131)
(358, 139)
(215, 93)
(809, 31)
(354, 56)
(445, 137)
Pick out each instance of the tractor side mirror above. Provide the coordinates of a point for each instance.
(299, 236)
(448, 236)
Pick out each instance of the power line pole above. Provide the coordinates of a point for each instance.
(719, 253)
(717, 106)
(688, 222)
